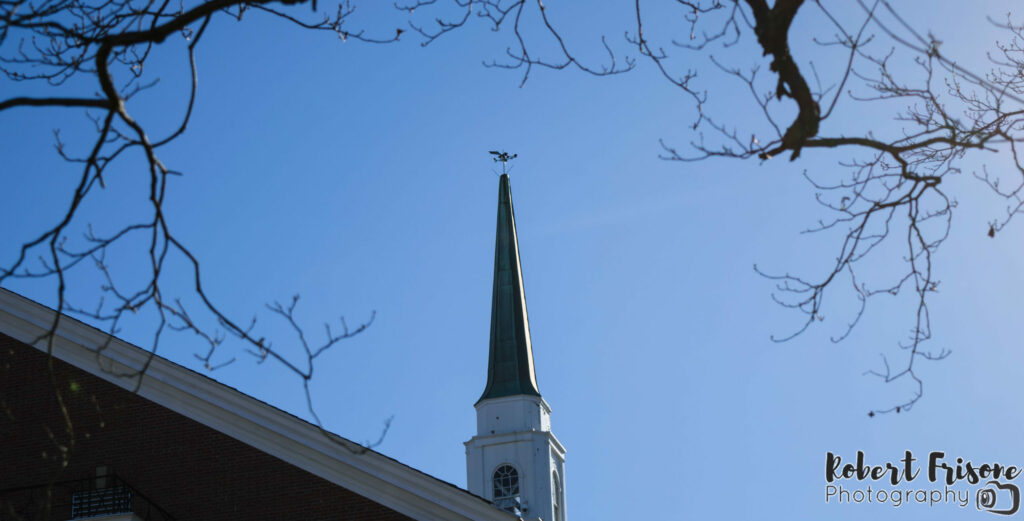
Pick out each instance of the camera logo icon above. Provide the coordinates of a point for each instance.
(997, 501)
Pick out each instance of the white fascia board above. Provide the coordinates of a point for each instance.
(244, 418)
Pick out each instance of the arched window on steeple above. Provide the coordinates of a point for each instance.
(556, 496)
(506, 489)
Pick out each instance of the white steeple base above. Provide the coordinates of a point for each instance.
(516, 431)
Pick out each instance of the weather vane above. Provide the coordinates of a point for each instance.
(504, 157)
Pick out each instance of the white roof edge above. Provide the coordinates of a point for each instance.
(271, 430)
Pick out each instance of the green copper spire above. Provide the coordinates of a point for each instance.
(510, 368)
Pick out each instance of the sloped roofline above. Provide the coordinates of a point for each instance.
(251, 421)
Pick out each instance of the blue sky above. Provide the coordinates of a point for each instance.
(358, 176)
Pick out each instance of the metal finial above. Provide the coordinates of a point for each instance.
(504, 157)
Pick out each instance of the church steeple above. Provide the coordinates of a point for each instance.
(514, 460)
(510, 367)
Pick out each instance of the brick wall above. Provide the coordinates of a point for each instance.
(187, 469)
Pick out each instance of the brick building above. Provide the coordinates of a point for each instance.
(181, 447)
